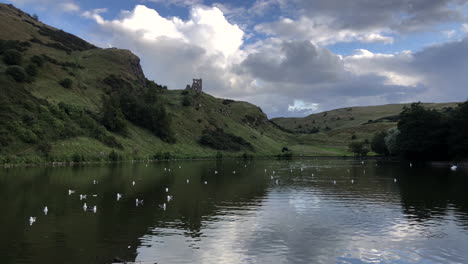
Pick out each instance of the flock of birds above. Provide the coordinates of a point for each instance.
(138, 202)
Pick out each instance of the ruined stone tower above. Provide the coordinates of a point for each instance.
(196, 85)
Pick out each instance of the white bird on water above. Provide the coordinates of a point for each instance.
(133, 183)
(188, 181)
(454, 167)
(273, 172)
(362, 162)
(82, 196)
(119, 196)
(411, 165)
(169, 198)
(233, 172)
(46, 210)
(215, 172)
(334, 182)
(94, 181)
(32, 219)
(277, 181)
(95, 209)
(206, 182)
(138, 202)
(163, 206)
(312, 175)
(265, 170)
(85, 207)
(394, 180)
(167, 189)
(352, 181)
(70, 192)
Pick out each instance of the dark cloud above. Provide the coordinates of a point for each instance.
(294, 62)
(399, 15)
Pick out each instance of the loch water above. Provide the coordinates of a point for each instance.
(235, 211)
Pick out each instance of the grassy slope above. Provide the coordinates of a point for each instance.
(187, 122)
(343, 124)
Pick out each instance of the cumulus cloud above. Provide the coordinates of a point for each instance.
(58, 5)
(288, 75)
(321, 30)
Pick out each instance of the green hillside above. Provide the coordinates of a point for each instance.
(63, 99)
(44, 117)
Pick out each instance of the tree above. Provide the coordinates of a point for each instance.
(378, 143)
(391, 141)
(457, 139)
(112, 118)
(35, 17)
(66, 83)
(423, 133)
(12, 57)
(359, 148)
(17, 72)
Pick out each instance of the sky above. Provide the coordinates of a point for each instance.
(290, 57)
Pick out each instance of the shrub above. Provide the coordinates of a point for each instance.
(378, 143)
(218, 139)
(17, 72)
(31, 70)
(114, 156)
(66, 83)
(359, 148)
(186, 101)
(12, 57)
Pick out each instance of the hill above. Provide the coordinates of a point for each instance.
(64, 99)
(337, 128)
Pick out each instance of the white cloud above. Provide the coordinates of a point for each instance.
(58, 5)
(465, 28)
(449, 33)
(320, 30)
(303, 107)
(69, 7)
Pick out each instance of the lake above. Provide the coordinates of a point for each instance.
(232, 211)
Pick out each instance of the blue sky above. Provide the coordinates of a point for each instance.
(290, 57)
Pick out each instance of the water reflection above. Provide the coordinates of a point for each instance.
(307, 211)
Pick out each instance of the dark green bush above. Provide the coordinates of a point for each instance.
(31, 70)
(38, 60)
(186, 101)
(218, 139)
(17, 72)
(66, 83)
(114, 156)
(12, 57)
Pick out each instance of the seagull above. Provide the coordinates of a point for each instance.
(216, 172)
(265, 170)
(206, 182)
(169, 169)
(348, 170)
(312, 175)
(334, 182)
(70, 192)
(245, 166)
(352, 181)
(277, 181)
(119, 196)
(133, 183)
(454, 167)
(364, 171)
(82, 196)
(94, 195)
(85, 207)
(271, 177)
(165, 169)
(394, 180)
(32, 219)
(95, 209)
(273, 172)
(411, 165)
(46, 210)
(169, 198)
(94, 181)
(362, 162)
(163, 206)
(180, 167)
(188, 181)
(138, 202)
(167, 189)
(234, 172)
(290, 171)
